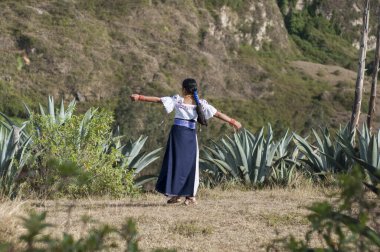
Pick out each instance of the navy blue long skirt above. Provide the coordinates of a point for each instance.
(179, 174)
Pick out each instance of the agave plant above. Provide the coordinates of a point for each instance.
(59, 116)
(284, 171)
(9, 125)
(328, 156)
(369, 146)
(368, 156)
(135, 161)
(13, 157)
(245, 157)
(84, 126)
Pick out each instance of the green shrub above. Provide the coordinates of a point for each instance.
(236, 5)
(81, 140)
(346, 224)
(82, 144)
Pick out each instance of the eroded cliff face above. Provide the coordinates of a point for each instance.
(260, 23)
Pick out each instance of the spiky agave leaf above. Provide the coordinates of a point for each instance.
(84, 126)
(134, 159)
(51, 110)
(267, 156)
(133, 148)
(140, 162)
(311, 155)
(7, 149)
(10, 150)
(61, 115)
(142, 180)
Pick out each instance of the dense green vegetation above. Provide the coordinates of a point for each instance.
(59, 154)
(319, 38)
(338, 226)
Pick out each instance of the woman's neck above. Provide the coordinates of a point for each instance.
(188, 99)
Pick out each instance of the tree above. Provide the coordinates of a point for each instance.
(360, 77)
(371, 106)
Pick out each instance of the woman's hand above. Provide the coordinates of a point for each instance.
(231, 121)
(135, 97)
(237, 125)
(234, 123)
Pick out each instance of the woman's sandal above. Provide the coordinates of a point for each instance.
(190, 201)
(174, 200)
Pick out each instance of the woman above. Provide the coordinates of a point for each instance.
(179, 176)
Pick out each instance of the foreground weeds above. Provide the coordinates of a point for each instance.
(223, 220)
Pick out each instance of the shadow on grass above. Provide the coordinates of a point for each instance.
(97, 205)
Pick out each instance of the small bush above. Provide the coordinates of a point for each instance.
(81, 140)
(337, 72)
(235, 5)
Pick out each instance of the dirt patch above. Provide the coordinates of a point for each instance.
(222, 221)
(326, 73)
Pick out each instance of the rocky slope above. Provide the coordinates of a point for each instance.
(240, 51)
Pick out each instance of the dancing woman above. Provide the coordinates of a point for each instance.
(179, 176)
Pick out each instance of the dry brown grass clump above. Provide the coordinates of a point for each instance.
(9, 219)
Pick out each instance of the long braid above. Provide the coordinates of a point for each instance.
(190, 85)
(201, 116)
(196, 97)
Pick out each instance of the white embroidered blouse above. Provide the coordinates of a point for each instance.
(186, 111)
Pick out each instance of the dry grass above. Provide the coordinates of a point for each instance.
(9, 222)
(232, 220)
(327, 73)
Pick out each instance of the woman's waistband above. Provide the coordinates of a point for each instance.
(185, 123)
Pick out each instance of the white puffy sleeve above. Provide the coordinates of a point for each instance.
(169, 102)
(208, 109)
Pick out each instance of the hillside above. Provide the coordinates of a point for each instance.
(241, 52)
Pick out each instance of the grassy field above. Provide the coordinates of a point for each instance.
(223, 220)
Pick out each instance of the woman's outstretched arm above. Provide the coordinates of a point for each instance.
(137, 97)
(226, 118)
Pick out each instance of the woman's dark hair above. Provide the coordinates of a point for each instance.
(190, 86)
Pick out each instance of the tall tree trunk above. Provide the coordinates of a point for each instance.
(371, 106)
(360, 78)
